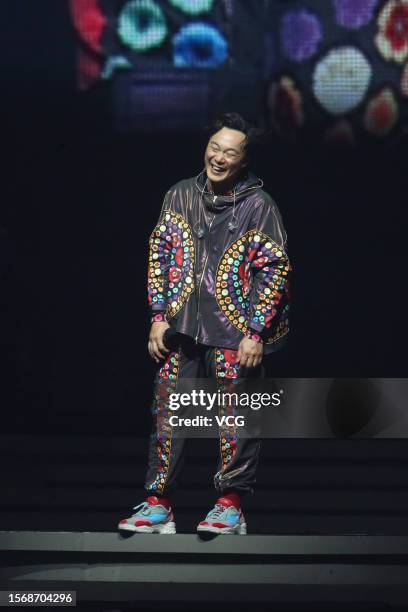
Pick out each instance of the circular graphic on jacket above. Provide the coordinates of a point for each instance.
(257, 251)
(171, 267)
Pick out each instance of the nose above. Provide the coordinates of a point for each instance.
(219, 157)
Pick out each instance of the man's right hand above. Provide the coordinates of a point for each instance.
(156, 347)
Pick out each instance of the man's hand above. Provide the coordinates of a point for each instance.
(250, 353)
(156, 347)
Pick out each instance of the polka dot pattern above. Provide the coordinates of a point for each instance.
(171, 264)
(166, 384)
(257, 251)
(226, 372)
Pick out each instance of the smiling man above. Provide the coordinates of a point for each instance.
(218, 292)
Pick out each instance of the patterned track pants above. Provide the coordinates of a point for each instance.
(238, 456)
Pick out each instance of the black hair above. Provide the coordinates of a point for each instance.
(234, 121)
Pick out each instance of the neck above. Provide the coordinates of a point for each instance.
(221, 189)
(226, 188)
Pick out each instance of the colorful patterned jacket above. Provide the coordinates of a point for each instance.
(217, 283)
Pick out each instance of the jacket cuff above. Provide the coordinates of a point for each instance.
(158, 316)
(255, 326)
(253, 335)
(158, 307)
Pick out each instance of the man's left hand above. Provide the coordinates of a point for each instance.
(250, 353)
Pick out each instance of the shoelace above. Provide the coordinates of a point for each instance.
(144, 507)
(217, 511)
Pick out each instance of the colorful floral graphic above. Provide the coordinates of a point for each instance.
(193, 7)
(341, 80)
(175, 274)
(354, 13)
(199, 45)
(381, 113)
(392, 37)
(285, 105)
(170, 290)
(142, 25)
(300, 34)
(178, 255)
(176, 240)
(230, 283)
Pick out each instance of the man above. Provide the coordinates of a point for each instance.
(218, 291)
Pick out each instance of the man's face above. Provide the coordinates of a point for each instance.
(224, 157)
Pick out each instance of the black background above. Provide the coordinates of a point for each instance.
(78, 205)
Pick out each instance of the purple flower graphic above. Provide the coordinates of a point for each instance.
(300, 34)
(354, 13)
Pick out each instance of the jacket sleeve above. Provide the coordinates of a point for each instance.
(159, 263)
(269, 267)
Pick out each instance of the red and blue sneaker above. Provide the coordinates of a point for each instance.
(224, 518)
(152, 516)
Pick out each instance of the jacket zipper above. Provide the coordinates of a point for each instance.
(202, 276)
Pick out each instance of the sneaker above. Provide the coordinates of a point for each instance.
(150, 517)
(224, 518)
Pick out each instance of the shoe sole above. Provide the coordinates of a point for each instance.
(240, 529)
(164, 529)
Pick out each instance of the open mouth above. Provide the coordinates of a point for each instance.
(217, 169)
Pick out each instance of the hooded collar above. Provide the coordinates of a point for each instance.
(246, 185)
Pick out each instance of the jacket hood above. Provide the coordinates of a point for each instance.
(248, 183)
